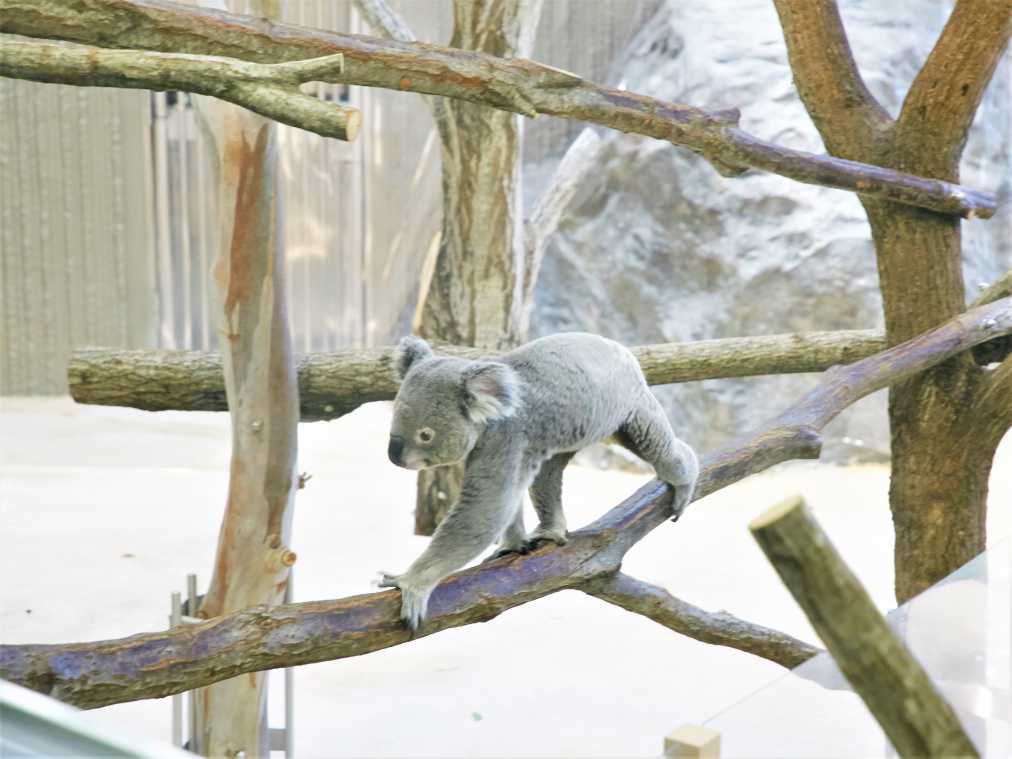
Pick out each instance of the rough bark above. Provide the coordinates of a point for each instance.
(942, 442)
(894, 686)
(272, 90)
(334, 384)
(158, 664)
(253, 557)
(517, 85)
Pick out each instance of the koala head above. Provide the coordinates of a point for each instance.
(444, 404)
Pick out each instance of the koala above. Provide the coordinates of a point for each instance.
(516, 421)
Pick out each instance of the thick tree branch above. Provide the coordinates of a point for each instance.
(846, 114)
(942, 101)
(272, 90)
(516, 85)
(718, 628)
(158, 664)
(334, 384)
(389, 23)
(893, 685)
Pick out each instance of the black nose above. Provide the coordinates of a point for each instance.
(395, 449)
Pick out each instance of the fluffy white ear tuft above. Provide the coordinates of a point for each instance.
(491, 391)
(409, 351)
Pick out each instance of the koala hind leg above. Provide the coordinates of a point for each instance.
(648, 434)
(514, 538)
(546, 495)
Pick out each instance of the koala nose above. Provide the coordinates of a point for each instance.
(395, 449)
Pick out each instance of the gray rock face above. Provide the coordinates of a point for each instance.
(658, 247)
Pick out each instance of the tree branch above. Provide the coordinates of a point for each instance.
(272, 90)
(942, 101)
(158, 664)
(846, 114)
(334, 384)
(388, 22)
(718, 628)
(516, 85)
(893, 685)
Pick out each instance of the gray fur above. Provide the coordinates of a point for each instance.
(517, 421)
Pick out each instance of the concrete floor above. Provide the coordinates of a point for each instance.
(105, 511)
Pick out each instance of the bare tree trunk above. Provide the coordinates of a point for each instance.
(945, 423)
(475, 296)
(253, 559)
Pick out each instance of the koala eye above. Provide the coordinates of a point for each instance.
(425, 435)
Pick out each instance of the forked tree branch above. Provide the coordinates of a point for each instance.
(158, 664)
(846, 114)
(516, 85)
(942, 101)
(334, 384)
(272, 90)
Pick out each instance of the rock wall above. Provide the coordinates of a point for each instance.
(658, 247)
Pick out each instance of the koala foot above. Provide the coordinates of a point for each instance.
(683, 497)
(414, 599)
(520, 550)
(544, 535)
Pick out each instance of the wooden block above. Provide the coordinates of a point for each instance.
(692, 742)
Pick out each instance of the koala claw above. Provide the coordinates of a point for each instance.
(542, 536)
(414, 601)
(521, 550)
(683, 496)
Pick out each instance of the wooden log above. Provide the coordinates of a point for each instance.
(516, 85)
(334, 384)
(159, 664)
(893, 685)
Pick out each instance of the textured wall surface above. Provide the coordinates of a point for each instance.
(658, 247)
(75, 228)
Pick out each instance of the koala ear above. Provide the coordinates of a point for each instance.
(409, 350)
(491, 391)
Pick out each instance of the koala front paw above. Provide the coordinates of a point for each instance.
(544, 535)
(414, 599)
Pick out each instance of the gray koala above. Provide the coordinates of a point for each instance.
(517, 421)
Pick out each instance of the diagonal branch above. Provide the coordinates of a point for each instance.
(158, 664)
(272, 90)
(717, 628)
(942, 101)
(334, 384)
(846, 114)
(517, 85)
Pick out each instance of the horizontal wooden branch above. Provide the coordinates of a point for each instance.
(272, 90)
(158, 664)
(516, 85)
(333, 384)
(894, 686)
(718, 628)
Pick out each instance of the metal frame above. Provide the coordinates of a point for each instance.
(280, 738)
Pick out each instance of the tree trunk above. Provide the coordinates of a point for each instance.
(253, 559)
(944, 431)
(475, 295)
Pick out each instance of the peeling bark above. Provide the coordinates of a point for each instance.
(517, 85)
(158, 664)
(253, 558)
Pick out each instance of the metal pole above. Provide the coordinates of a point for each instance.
(191, 611)
(289, 685)
(175, 618)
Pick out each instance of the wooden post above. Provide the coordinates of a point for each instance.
(253, 558)
(895, 688)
